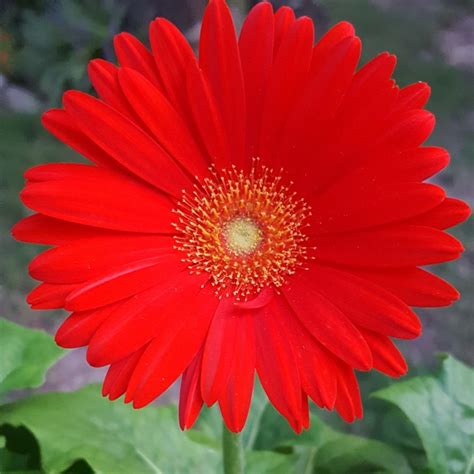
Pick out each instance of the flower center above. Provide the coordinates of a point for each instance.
(242, 236)
(246, 230)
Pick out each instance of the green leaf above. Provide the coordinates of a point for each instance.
(258, 462)
(27, 354)
(13, 462)
(109, 436)
(324, 450)
(20, 451)
(458, 380)
(442, 411)
(355, 454)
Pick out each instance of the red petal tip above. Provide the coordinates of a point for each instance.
(346, 25)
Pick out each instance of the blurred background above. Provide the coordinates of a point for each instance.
(44, 49)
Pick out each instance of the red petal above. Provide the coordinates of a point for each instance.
(153, 313)
(170, 130)
(284, 20)
(344, 208)
(329, 80)
(327, 323)
(125, 281)
(416, 287)
(104, 78)
(124, 141)
(407, 129)
(118, 375)
(133, 54)
(173, 348)
(276, 363)
(219, 59)
(310, 121)
(219, 350)
(78, 328)
(377, 70)
(207, 117)
(335, 35)
(410, 166)
(98, 197)
(172, 55)
(315, 363)
(59, 123)
(190, 400)
(59, 171)
(256, 51)
(348, 402)
(395, 246)
(387, 358)
(47, 296)
(367, 98)
(288, 77)
(365, 304)
(235, 401)
(360, 120)
(41, 229)
(81, 260)
(414, 96)
(449, 213)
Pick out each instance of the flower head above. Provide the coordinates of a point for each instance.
(259, 209)
(245, 230)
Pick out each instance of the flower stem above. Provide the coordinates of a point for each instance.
(232, 452)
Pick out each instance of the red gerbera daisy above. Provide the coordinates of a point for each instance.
(259, 209)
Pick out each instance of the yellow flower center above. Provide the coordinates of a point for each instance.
(246, 230)
(242, 235)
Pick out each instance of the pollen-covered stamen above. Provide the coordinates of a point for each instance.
(245, 229)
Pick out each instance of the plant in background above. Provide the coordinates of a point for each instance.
(261, 209)
(57, 38)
